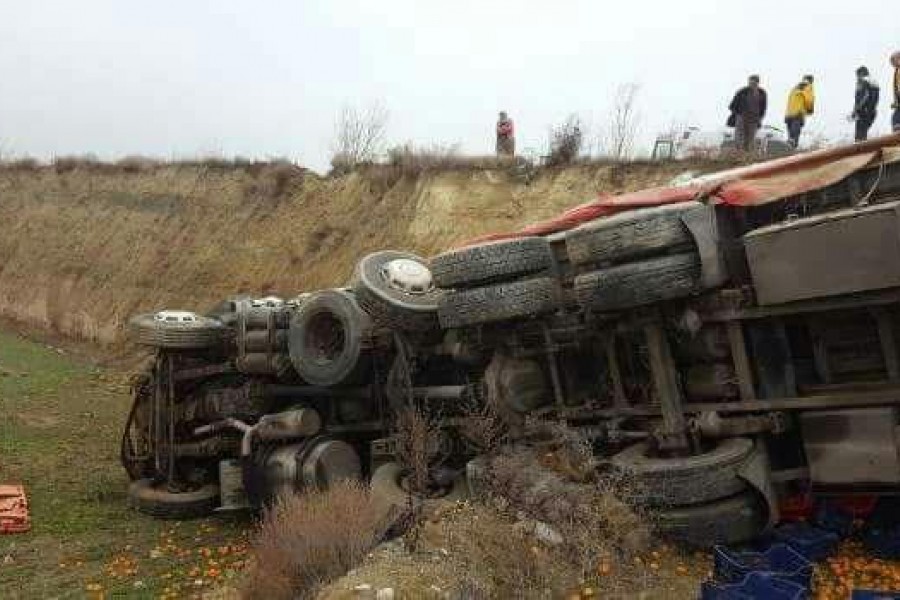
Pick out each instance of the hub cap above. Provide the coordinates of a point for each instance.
(175, 316)
(409, 276)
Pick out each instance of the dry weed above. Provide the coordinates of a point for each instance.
(304, 542)
(505, 557)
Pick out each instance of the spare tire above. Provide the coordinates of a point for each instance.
(640, 283)
(397, 290)
(734, 520)
(492, 262)
(629, 235)
(705, 477)
(176, 329)
(148, 497)
(388, 490)
(329, 338)
(500, 302)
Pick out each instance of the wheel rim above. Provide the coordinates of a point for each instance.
(407, 276)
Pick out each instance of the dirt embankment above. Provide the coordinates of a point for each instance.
(83, 248)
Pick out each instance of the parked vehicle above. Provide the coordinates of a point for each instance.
(692, 142)
(726, 351)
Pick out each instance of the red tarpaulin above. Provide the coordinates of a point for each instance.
(744, 186)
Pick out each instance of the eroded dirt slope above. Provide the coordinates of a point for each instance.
(82, 248)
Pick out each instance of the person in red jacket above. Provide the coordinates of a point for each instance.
(506, 138)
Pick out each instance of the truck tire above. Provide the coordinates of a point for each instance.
(397, 290)
(630, 235)
(492, 262)
(640, 283)
(734, 520)
(499, 302)
(155, 331)
(387, 489)
(680, 481)
(328, 339)
(148, 497)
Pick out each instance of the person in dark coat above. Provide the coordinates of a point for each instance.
(865, 105)
(748, 109)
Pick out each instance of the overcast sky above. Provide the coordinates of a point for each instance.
(258, 79)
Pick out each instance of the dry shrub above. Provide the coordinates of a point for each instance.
(410, 160)
(502, 559)
(22, 164)
(482, 425)
(565, 142)
(419, 439)
(87, 162)
(305, 542)
(138, 164)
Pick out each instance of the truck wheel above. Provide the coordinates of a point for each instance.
(733, 520)
(492, 262)
(177, 329)
(630, 235)
(639, 283)
(328, 338)
(397, 290)
(499, 302)
(705, 477)
(387, 489)
(154, 499)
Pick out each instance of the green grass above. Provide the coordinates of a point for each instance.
(60, 425)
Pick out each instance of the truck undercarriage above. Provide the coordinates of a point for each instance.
(728, 348)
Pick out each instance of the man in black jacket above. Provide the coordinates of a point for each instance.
(865, 103)
(748, 107)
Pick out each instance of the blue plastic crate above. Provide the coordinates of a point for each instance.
(755, 586)
(813, 543)
(780, 561)
(883, 542)
(874, 595)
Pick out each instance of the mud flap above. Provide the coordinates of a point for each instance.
(757, 474)
(701, 222)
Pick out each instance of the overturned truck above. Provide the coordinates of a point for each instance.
(730, 342)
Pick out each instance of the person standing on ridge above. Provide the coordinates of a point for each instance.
(801, 103)
(865, 105)
(506, 140)
(748, 109)
(895, 118)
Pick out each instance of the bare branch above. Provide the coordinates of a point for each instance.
(624, 121)
(359, 135)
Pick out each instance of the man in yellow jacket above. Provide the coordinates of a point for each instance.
(801, 104)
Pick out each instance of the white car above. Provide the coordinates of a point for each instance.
(691, 142)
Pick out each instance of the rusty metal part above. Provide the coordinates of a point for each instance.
(713, 425)
(210, 447)
(274, 427)
(516, 384)
(672, 435)
(262, 363)
(301, 422)
(202, 372)
(715, 381)
(262, 340)
(230, 423)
